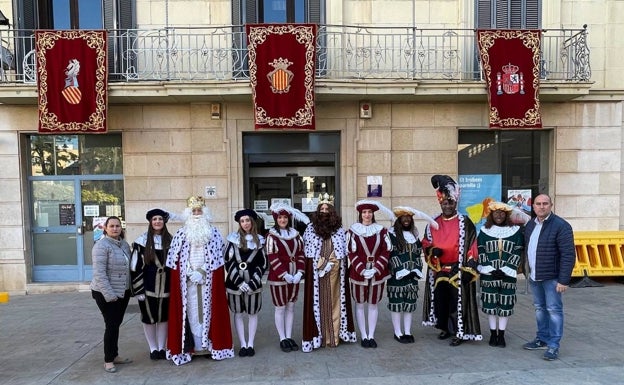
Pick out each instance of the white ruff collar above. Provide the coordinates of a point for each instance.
(366, 231)
(500, 231)
(287, 235)
(234, 237)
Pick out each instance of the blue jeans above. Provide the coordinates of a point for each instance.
(548, 311)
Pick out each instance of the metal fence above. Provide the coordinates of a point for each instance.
(343, 52)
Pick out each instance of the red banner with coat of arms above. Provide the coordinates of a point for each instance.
(510, 61)
(72, 79)
(281, 74)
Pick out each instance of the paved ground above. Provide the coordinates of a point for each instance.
(57, 339)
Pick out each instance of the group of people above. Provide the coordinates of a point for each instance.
(188, 283)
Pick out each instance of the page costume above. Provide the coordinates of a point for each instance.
(500, 247)
(151, 280)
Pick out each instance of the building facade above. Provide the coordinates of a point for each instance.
(399, 97)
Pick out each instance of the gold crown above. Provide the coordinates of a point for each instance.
(325, 198)
(195, 202)
(510, 68)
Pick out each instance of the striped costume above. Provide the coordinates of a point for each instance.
(500, 247)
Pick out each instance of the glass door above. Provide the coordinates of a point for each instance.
(76, 182)
(54, 231)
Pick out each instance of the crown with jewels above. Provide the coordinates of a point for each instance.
(195, 202)
(510, 68)
(325, 198)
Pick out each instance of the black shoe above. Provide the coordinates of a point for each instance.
(364, 343)
(493, 338)
(285, 345)
(444, 335)
(501, 341)
(162, 354)
(293, 344)
(372, 343)
(408, 338)
(243, 352)
(456, 341)
(154, 355)
(251, 352)
(398, 339)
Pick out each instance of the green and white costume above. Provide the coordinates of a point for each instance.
(500, 247)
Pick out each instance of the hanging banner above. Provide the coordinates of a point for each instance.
(510, 61)
(281, 74)
(72, 81)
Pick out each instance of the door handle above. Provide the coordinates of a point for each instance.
(79, 230)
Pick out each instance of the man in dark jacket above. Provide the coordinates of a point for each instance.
(550, 260)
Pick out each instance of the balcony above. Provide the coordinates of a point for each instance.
(208, 63)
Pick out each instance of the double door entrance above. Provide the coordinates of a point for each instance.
(293, 168)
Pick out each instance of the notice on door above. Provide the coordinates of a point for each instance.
(67, 214)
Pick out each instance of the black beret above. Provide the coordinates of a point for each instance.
(153, 212)
(245, 212)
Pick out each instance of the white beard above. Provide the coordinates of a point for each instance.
(198, 230)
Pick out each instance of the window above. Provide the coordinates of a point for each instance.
(116, 16)
(520, 157)
(505, 14)
(53, 155)
(277, 11)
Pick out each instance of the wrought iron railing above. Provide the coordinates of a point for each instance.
(343, 53)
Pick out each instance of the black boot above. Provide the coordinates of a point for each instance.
(493, 337)
(501, 339)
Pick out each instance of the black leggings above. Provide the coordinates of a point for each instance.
(113, 313)
(445, 306)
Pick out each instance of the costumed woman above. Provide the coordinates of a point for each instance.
(199, 320)
(500, 245)
(327, 316)
(245, 264)
(369, 247)
(450, 301)
(286, 267)
(405, 267)
(150, 280)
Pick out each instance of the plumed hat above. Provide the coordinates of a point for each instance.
(368, 204)
(156, 211)
(493, 206)
(245, 213)
(195, 202)
(278, 209)
(446, 188)
(400, 211)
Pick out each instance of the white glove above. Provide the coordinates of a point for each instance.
(196, 277)
(369, 273)
(297, 277)
(402, 273)
(326, 269)
(244, 287)
(418, 273)
(288, 278)
(140, 297)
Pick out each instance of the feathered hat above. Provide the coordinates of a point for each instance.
(279, 208)
(400, 211)
(446, 188)
(367, 204)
